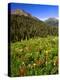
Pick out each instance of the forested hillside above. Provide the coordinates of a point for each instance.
(24, 26)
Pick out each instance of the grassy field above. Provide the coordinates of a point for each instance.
(37, 56)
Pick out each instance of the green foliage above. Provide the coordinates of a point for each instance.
(25, 27)
(34, 57)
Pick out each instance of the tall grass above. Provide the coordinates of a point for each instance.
(38, 56)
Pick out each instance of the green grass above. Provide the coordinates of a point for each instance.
(38, 56)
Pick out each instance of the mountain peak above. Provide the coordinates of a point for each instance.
(20, 12)
(52, 21)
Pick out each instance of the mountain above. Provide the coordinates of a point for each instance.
(52, 22)
(25, 26)
(20, 12)
(24, 13)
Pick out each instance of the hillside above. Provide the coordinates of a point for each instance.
(24, 26)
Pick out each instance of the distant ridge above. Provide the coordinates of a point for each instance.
(52, 22)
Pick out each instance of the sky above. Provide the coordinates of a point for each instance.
(40, 11)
